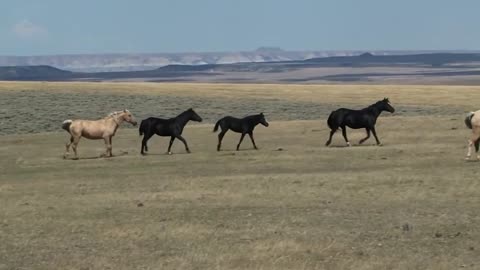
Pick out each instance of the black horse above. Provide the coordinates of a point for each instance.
(244, 126)
(172, 127)
(364, 118)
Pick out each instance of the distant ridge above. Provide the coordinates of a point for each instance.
(40, 72)
(364, 67)
(147, 61)
(434, 59)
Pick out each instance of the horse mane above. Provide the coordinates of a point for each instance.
(183, 113)
(189, 111)
(375, 104)
(253, 116)
(115, 113)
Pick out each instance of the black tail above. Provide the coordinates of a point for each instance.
(468, 120)
(66, 125)
(217, 125)
(142, 127)
(331, 121)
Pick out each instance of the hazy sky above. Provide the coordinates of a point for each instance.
(32, 27)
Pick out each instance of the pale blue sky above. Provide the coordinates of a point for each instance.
(33, 27)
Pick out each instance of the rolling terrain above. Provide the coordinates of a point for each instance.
(149, 61)
(366, 68)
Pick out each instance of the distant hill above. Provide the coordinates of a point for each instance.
(149, 61)
(24, 73)
(432, 68)
(432, 59)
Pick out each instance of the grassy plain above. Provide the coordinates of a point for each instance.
(293, 204)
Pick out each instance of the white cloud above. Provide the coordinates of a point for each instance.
(27, 29)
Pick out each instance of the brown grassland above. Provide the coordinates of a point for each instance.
(294, 204)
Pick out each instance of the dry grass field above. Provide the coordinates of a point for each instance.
(294, 204)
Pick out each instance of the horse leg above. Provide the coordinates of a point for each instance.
(74, 146)
(344, 133)
(469, 151)
(253, 141)
(477, 141)
(220, 138)
(110, 146)
(172, 138)
(375, 135)
(184, 142)
(67, 146)
(107, 147)
(472, 142)
(330, 138)
(145, 139)
(366, 138)
(241, 139)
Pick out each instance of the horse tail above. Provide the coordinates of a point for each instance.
(142, 127)
(215, 129)
(331, 121)
(468, 120)
(66, 125)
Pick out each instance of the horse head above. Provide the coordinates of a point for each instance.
(127, 116)
(385, 105)
(194, 116)
(262, 120)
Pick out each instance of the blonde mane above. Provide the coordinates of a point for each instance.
(115, 113)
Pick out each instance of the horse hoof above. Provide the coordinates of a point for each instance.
(348, 144)
(380, 144)
(169, 153)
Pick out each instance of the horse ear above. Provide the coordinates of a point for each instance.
(261, 113)
(191, 109)
(125, 110)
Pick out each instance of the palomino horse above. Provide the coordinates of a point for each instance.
(240, 125)
(364, 118)
(473, 122)
(104, 128)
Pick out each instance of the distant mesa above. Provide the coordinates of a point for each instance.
(365, 55)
